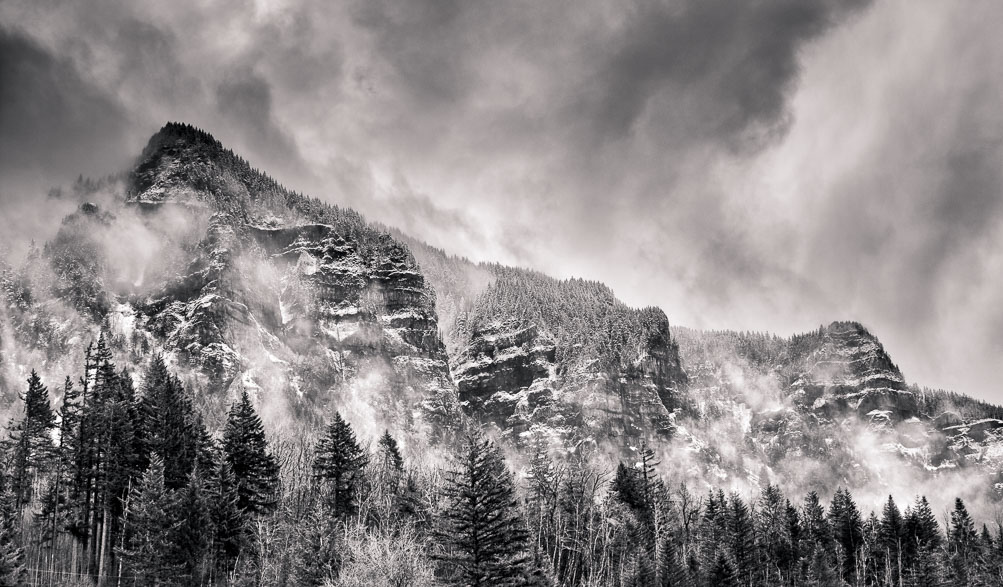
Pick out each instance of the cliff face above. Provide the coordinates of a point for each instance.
(827, 407)
(509, 374)
(282, 292)
(845, 369)
(243, 284)
(561, 360)
(287, 294)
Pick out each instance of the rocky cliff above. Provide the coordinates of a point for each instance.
(243, 284)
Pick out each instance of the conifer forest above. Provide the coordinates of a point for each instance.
(501, 293)
(124, 485)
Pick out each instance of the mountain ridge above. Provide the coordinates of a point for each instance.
(309, 305)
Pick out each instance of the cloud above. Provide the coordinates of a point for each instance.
(48, 114)
(760, 165)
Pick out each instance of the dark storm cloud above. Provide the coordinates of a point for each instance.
(740, 58)
(244, 100)
(767, 164)
(48, 114)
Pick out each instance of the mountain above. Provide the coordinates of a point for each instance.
(562, 360)
(245, 285)
(248, 285)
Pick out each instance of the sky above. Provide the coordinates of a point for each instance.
(762, 165)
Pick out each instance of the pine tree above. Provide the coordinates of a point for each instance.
(772, 522)
(542, 501)
(891, 531)
(816, 537)
(821, 572)
(151, 517)
(56, 507)
(627, 487)
(227, 520)
(338, 466)
(246, 451)
(31, 441)
(847, 530)
(318, 555)
(923, 542)
(168, 423)
(961, 546)
(722, 574)
(653, 528)
(389, 452)
(742, 544)
(485, 539)
(108, 459)
(713, 532)
(193, 536)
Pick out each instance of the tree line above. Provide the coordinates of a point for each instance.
(126, 486)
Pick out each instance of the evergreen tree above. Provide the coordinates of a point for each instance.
(108, 458)
(338, 465)
(962, 546)
(627, 487)
(821, 573)
(891, 531)
(742, 540)
(485, 539)
(774, 531)
(246, 450)
(169, 426)
(193, 536)
(816, 539)
(847, 530)
(722, 574)
(653, 528)
(152, 518)
(713, 533)
(922, 544)
(318, 554)
(227, 520)
(31, 441)
(69, 425)
(59, 499)
(389, 453)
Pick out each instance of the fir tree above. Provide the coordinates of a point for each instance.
(246, 451)
(193, 536)
(722, 574)
(771, 518)
(168, 424)
(59, 498)
(31, 441)
(627, 487)
(152, 518)
(816, 537)
(389, 453)
(742, 540)
(961, 546)
(847, 530)
(891, 530)
(484, 537)
(821, 572)
(923, 542)
(229, 529)
(338, 465)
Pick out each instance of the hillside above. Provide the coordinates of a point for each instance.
(252, 387)
(244, 285)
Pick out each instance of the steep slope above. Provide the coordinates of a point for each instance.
(560, 359)
(828, 407)
(248, 285)
(243, 284)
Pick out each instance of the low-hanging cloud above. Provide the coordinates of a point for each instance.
(763, 165)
